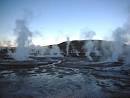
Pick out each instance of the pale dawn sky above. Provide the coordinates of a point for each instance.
(53, 20)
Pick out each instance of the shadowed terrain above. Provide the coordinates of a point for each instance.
(68, 77)
(72, 76)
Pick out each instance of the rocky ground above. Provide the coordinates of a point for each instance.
(67, 78)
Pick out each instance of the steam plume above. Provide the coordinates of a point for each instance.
(23, 40)
(89, 45)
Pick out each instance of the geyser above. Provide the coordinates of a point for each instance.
(89, 45)
(122, 46)
(55, 51)
(67, 46)
(23, 40)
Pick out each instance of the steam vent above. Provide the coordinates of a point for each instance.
(65, 49)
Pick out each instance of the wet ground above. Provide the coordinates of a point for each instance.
(67, 78)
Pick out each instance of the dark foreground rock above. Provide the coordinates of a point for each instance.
(67, 78)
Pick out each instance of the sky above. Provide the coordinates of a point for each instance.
(51, 21)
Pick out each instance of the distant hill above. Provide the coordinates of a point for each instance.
(76, 48)
(78, 45)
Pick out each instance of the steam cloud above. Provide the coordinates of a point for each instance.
(122, 46)
(89, 45)
(55, 51)
(67, 46)
(23, 40)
